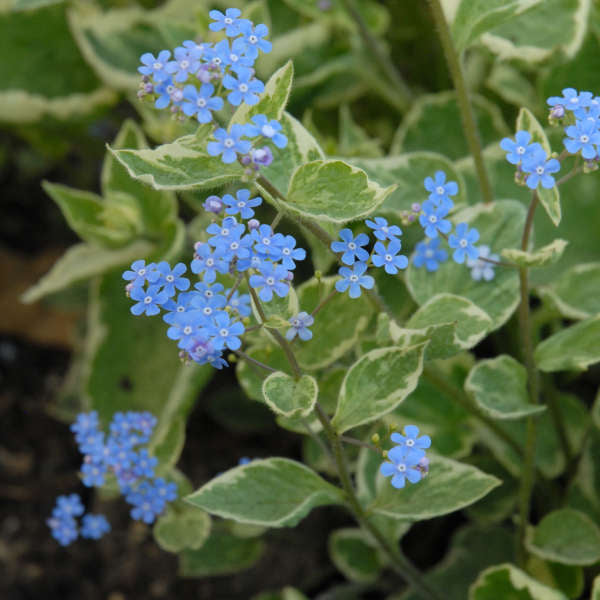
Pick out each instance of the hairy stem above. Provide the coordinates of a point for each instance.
(403, 93)
(528, 472)
(253, 361)
(464, 104)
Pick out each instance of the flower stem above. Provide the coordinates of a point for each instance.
(528, 472)
(403, 93)
(464, 104)
(254, 361)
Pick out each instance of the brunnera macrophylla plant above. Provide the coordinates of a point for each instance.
(293, 277)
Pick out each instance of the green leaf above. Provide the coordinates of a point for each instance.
(434, 123)
(565, 536)
(338, 325)
(566, 578)
(333, 190)
(575, 292)
(251, 378)
(538, 258)
(30, 4)
(354, 140)
(507, 581)
(112, 41)
(550, 27)
(90, 217)
(37, 89)
(352, 553)
(301, 148)
(500, 225)
(469, 19)
(156, 207)
(469, 325)
(448, 487)
(221, 554)
(288, 397)
(376, 383)
(407, 172)
(275, 492)
(181, 165)
(278, 308)
(573, 348)
(512, 85)
(273, 100)
(549, 198)
(185, 528)
(122, 373)
(499, 388)
(83, 261)
(596, 589)
(472, 549)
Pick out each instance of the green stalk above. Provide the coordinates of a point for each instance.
(528, 473)
(462, 95)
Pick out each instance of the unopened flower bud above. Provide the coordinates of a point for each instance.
(411, 218)
(290, 276)
(416, 207)
(557, 112)
(213, 204)
(148, 88)
(253, 224)
(375, 439)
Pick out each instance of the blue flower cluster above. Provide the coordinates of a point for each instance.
(122, 454)
(64, 527)
(358, 259)
(185, 83)
(407, 460)
(207, 320)
(584, 135)
(531, 160)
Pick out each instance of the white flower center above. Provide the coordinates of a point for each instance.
(233, 58)
(295, 323)
(170, 89)
(539, 170)
(234, 245)
(584, 139)
(228, 20)
(184, 64)
(170, 278)
(147, 299)
(241, 204)
(216, 60)
(243, 87)
(142, 272)
(187, 329)
(180, 309)
(224, 332)
(432, 219)
(266, 241)
(225, 232)
(401, 467)
(389, 258)
(440, 190)
(210, 262)
(521, 150)
(286, 251)
(351, 246)
(208, 294)
(428, 253)
(157, 66)
(410, 443)
(229, 143)
(207, 310)
(252, 39)
(201, 102)
(353, 278)
(270, 280)
(268, 131)
(384, 229)
(463, 243)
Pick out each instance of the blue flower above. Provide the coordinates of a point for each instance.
(164, 490)
(410, 439)
(520, 148)
(429, 253)
(186, 328)
(481, 269)
(584, 136)
(290, 254)
(239, 62)
(272, 278)
(170, 279)
(223, 234)
(571, 99)
(186, 63)
(147, 505)
(240, 304)
(140, 273)
(225, 333)
(463, 241)
(84, 424)
(94, 526)
(177, 308)
(155, 67)
(355, 279)
(149, 301)
(144, 464)
(63, 530)
(299, 327)
(68, 506)
(440, 190)
(389, 257)
(229, 144)
(243, 204)
(166, 91)
(382, 231)
(200, 102)
(432, 220)
(244, 89)
(266, 243)
(209, 307)
(402, 466)
(254, 37)
(93, 474)
(269, 129)
(229, 21)
(209, 262)
(351, 246)
(540, 170)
